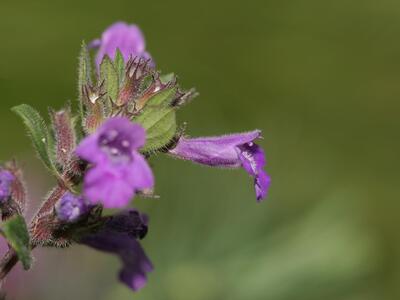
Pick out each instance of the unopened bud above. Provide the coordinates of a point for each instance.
(71, 208)
(6, 180)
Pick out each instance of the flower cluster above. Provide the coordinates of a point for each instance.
(127, 114)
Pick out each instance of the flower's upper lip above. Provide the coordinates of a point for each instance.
(128, 38)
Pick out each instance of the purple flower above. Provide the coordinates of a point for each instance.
(228, 151)
(119, 236)
(6, 180)
(128, 39)
(71, 208)
(118, 170)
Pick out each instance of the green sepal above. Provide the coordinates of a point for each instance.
(109, 75)
(84, 74)
(159, 120)
(119, 65)
(163, 98)
(16, 233)
(165, 78)
(42, 140)
(65, 136)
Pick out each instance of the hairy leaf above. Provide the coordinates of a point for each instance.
(17, 235)
(84, 74)
(159, 120)
(43, 141)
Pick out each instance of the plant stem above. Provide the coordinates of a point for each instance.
(7, 263)
(10, 259)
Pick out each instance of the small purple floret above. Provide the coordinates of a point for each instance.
(127, 38)
(6, 180)
(118, 169)
(228, 151)
(71, 208)
(118, 236)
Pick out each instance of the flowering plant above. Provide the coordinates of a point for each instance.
(99, 157)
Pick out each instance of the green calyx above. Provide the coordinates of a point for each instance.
(135, 90)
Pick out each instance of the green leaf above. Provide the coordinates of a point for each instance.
(119, 65)
(17, 235)
(43, 141)
(161, 132)
(84, 74)
(159, 120)
(109, 74)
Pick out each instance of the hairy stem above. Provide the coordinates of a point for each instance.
(10, 259)
(7, 263)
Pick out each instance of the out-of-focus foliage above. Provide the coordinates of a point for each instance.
(17, 235)
(320, 78)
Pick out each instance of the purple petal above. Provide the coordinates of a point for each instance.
(108, 185)
(130, 221)
(88, 149)
(136, 266)
(219, 151)
(228, 140)
(253, 161)
(261, 184)
(128, 39)
(6, 180)
(134, 132)
(146, 56)
(119, 241)
(142, 176)
(252, 157)
(228, 151)
(71, 208)
(94, 44)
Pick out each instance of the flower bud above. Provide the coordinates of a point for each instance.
(128, 38)
(6, 180)
(71, 208)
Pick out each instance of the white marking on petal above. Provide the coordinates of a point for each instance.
(251, 160)
(114, 151)
(112, 134)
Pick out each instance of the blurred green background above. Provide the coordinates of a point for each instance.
(320, 78)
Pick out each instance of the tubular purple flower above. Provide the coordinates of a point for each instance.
(128, 39)
(6, 180)
(228, 151)
(118, 170)
(119, 236)
(71, 208)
